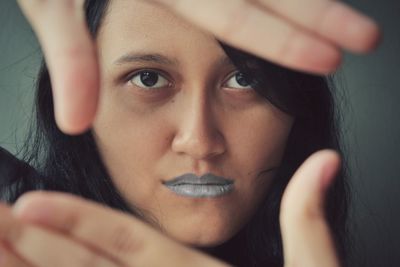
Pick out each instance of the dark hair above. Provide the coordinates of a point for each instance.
(73, 164)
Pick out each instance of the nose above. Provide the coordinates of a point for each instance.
(198, 134)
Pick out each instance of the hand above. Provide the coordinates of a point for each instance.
(306, 236)
(306, 35)
(57, 229)
(73, 231)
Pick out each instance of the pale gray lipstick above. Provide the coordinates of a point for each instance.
(208, 185)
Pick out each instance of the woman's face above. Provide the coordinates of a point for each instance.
(188, 114)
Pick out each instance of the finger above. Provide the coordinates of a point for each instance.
(260, 32)
(10, 259)
(71, 58)
(306, 236)
(332, 20)
(120, 235)
(44, 248)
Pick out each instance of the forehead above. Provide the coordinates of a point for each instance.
(139, 24)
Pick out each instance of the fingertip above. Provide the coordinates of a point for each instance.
(304, 193)
(319, 167)
(76, 95)
(324, 155)
(27, 204)
(371, 39)
(329, 153)
(313, 56)
(325, 65)
(72, 126)
(72, 121)
(331, 165)
(359, 33)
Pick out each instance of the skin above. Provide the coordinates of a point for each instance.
(189, 126)
(70, 229)
(76, 232)
(305, 35)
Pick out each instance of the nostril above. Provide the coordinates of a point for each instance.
(198, 147)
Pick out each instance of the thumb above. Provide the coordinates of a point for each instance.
(306, 236)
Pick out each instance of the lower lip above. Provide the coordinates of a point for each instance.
(201, 190)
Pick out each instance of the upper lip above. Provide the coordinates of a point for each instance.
(206, 179)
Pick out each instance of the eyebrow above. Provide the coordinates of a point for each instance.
(160, 59)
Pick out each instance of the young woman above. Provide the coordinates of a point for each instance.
(192, 136)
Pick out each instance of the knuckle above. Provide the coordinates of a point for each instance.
(305, 211)
(124, 241)
(70, 223)
(320, 20)
(287, 49)
(235, 20)
(72, 52)
(309, 213)
(9, 259)
(89, 259)
(173, 4)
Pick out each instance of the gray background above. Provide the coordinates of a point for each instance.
(371, 112)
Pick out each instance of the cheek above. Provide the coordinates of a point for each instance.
(258, 146)
(136, 148)
(130, 143)
(260, 140)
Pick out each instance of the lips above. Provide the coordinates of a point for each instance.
(208, 185)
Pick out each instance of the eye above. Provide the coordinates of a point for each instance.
(148, 79)
(239, 80)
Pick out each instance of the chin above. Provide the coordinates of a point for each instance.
(205, 239)
(210, 242)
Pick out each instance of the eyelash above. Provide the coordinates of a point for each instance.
(161, 73)
(136, 73)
